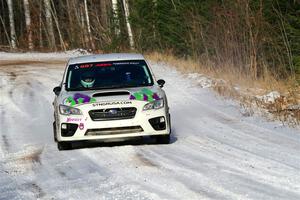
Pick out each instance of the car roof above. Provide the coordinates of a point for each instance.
(105, 57)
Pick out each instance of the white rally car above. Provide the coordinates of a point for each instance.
(109, 97)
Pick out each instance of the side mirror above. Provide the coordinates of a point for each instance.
(161, 82)
(57, 90)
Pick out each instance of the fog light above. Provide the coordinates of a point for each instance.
(162, 119)
(158, 123)
(68, 129)
(64, 126)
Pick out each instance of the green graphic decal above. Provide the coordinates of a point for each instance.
(79, 99)
(144, 95)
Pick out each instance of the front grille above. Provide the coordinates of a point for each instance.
(112, 114)
(116, 130)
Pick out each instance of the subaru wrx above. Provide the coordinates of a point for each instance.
(109, 97)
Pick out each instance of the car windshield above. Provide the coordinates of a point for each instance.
(102, 75)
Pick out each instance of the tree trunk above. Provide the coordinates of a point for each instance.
(62, 43)
(28, 24)
(12, 24)
(116, 17)
(40, 25)
(5, 31)
(49, 24)
(104, 17)
(71, 30)
(84, 34)
(88, 25)
(129, 31)
(75, 21)
(252, 43)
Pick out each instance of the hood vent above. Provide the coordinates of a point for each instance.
(105, 94)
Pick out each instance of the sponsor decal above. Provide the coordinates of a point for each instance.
(144, 95)
(83, 66)
(86, 65)
(126, 63)
(78, 98)
(90, 65)
(70, 119)
(112, 103)
(81, 126)
(103, 65)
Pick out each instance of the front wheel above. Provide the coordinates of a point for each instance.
(64, 146)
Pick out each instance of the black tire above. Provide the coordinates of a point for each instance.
(54, 131)
(163, 139)
(170, 124)
(64, 146)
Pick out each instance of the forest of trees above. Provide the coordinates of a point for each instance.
(253, 36)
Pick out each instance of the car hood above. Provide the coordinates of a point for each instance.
(77, 98)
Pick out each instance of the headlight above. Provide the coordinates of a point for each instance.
(154, 105)
(67, 110)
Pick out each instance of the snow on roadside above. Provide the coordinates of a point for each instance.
(42, 56)
(270, 97)
(202, 80)
(271, 104)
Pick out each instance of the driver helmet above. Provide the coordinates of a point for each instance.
(87, 79)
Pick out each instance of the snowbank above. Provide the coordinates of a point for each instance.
(202, 80)
(42, 56)
(270, 97)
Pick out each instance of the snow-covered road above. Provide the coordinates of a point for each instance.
(216, 151)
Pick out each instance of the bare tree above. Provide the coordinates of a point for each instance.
(5, 31)
(104, 16)
(130, 35)
(40, 25)
(71, 29)
(84, 34)
(75, 28)
(49, 24)
(28, 24)
(54, 14)
(88, 25)
(12, 24)
(116, 16)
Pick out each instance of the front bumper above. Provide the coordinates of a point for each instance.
(145, 123)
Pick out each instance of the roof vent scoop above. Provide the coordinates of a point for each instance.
(117, 93)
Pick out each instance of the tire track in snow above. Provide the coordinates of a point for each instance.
(37, 191)
(144, 160)
(21, 164)
(6, 145)
(130, 170)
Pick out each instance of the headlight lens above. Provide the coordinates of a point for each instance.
(154, 105)
(67, 110)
